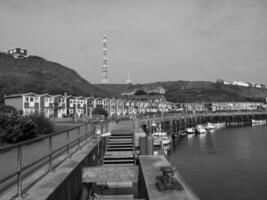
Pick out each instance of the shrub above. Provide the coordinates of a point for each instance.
(43, 125)
(7, 109)
(16, 128)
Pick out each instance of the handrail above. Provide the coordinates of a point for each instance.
(24, 171)
(37, 139)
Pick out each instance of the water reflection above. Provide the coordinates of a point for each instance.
(227, 164)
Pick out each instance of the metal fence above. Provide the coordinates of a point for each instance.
(45, 152)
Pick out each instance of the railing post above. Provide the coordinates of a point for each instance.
(79, 138)
(102, 127)
(107, 126)
(50, 154)
(19, 178)
(86, 132)
(68, 144)
(134, 141)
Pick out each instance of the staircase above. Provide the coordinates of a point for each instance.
(120, 152)
(119, 147)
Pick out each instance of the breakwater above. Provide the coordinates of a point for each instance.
(176, 122)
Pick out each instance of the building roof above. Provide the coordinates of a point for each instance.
(20, 95)
(45, 95)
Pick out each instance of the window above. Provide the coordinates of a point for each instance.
(27, 99)
(36, 99)
(31, 99)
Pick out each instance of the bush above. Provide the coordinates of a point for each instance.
(7, 109)
(16, 128)
(43, 125)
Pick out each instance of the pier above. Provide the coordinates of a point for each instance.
(103, 166)
(89, 164)
(175, 122)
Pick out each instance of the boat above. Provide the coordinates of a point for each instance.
(220, 125)
(180, 134)
(201, 129)
(190, 130)
(258, 122)
(210, 126)
(161, 136)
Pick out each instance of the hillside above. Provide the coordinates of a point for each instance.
(35, 74)
(195, 91)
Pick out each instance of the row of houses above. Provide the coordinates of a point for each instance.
(69, 105)
(222, 106)
(65, 106)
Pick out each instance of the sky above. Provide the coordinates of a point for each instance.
(152, 40)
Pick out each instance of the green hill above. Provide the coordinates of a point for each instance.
(195, 91)
(35, 74)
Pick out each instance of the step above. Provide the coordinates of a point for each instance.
(118, 164)
(120, 140)
(119, 145)
(117, 197)
(120, 149)
(118, 161)
(115, 158)
(120, 137)
(119, 154)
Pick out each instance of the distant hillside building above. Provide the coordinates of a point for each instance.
(240, 83)
(17, 52)
(223, 82)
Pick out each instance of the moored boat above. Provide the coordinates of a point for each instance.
(190, 130)
(210, 126)
(161, 136)
(180, 134)
(258, 122)
(201, 129)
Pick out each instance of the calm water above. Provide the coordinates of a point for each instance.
(228, 164)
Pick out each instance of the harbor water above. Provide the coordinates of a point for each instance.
(230, 163)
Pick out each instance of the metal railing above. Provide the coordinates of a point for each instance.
(51, 159)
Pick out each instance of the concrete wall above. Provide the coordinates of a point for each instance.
(72, 187)
(65, 183)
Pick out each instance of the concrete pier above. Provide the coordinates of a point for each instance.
(149, 169)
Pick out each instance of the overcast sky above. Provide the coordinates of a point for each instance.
(155, 40)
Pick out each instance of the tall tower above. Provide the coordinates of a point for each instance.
(104, 65)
